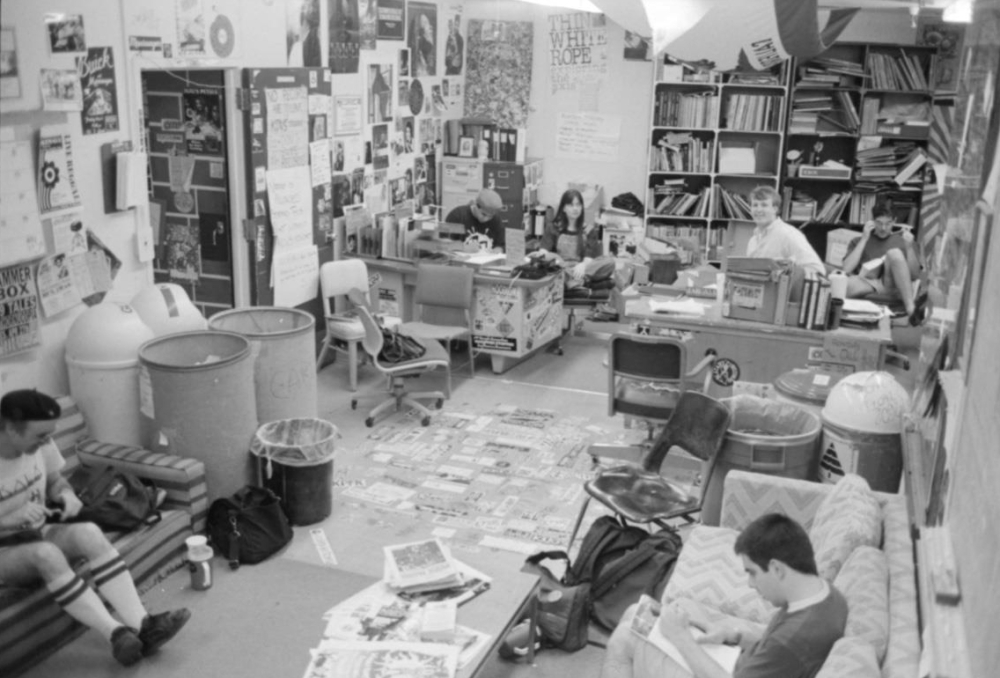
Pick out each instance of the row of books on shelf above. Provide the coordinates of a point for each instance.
(674, 108)
(902, 72)
(704, 237)
(730, 204)
(801, 206)
(836, 109)
(753, 112)
(489, 142)
(389, 235)
(672, 200)
(681, 151)
(830, 72)
(899, 163)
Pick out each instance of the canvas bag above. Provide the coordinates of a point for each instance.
(248, 527)
(621, 562)
(561, 612)
(399, 348)
(113, 499)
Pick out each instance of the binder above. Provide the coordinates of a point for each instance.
(807, 288)
(822, 305)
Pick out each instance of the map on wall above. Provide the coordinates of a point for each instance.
(498, 76)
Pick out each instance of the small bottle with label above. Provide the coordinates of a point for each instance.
(199, 557)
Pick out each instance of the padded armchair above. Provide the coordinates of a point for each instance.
(434, 357)
(444, 295)
(638, 492)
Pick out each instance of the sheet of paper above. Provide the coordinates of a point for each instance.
(56, 182)
(680, 306)
(319, 161)
(287, 127)
(289, 195)
(181, 169)
(588, 136)
(18, 310)
(296, 276)
(21, 236)
(55, 285)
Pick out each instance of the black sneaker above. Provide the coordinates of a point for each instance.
(157, 629)
(126, 646)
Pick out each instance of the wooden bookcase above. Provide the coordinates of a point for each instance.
(713, 138)
(866, 107)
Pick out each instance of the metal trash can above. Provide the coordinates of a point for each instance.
(806, 388)
(283, 344)
(764, 436)
(862, 426)
(295, 461)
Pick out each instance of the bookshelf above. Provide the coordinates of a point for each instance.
(713, 138)
(858, 124)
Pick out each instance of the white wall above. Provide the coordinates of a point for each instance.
(260, 42)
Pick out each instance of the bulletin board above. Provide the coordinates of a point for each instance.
(288, 122)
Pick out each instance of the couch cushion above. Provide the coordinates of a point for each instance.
(849, 517)
(709, 572)
(850, 657)
(864, 581)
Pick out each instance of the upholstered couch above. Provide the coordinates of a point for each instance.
(32, 627)
(862, 544)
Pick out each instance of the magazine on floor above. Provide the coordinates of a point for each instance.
(359, 659)
(473, 583)
(645, 625)
(420, 566)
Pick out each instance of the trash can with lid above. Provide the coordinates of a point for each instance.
(764, 436)
(167, 309)
(102, 358)
(862, 423)
(807, 388)
(295, 461)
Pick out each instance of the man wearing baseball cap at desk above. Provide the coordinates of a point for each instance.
(480, 218)
(37, 541)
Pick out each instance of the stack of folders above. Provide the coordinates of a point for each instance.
(421, 566)
(815, 308)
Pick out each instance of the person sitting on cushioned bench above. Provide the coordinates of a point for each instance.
(897, 268)
(36, 543)
(781, 566)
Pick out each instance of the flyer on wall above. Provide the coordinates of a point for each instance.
(100, 100)
(18, 310)
(203, 121)
(56, 184)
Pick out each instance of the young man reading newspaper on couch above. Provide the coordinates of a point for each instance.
(779, 561)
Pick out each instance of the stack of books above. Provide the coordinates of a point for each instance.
(420, 566)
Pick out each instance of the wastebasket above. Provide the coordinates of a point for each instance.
(102, 358)
(167, 309)
(196, 397)
(764, 436)
(295, 461)
(283, 343)
(806, 388)
(862, 423)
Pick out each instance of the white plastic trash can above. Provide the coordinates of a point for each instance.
(102, 358)
(167, 309)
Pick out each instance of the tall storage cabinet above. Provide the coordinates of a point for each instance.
(516, 183)
(857, 129)
(712, 141)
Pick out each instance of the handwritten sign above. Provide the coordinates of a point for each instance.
(588, 136)
(287, 127)
(296, 276)
(746, 296)
(864, 354)
(290, 197)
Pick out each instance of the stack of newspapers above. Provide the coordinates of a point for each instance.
(420, 567)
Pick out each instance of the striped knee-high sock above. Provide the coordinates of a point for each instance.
(82, 603)
(114, 581)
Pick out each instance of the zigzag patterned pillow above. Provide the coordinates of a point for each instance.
(850, 656)
(849, 517)
(709, 572)
(864, 581)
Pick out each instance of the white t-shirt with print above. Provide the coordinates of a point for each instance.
(23, 480)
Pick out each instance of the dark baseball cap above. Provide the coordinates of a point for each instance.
(29, 405)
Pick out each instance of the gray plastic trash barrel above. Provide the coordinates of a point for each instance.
(283, 343)
(295, 461)
(197, 397)
(764, 436)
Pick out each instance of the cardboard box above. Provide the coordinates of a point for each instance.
(757, 289)
(838, 241)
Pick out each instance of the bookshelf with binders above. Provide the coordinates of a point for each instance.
(714, 137)
(857, 130)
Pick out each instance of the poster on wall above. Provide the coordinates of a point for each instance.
(345, 37)
(422, 38)
(56, 184)
(60, 89)
(302, 33)
(100, 99)
(948, 38)
(183, 251)
(347, 115)
(379, 93)
(21, 236)
(454, 46)
(18, 310)
(55, 285)
(578, 49)
(203, 132)
(498, 79)
(190, 28)
(391, 19)
(637, 48)
(368, 23)
(66, 34)
(10, 81)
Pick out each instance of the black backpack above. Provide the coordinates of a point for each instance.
(622, 562)
(112, 498)
(248, 527)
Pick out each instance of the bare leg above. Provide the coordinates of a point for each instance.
(858, 287)
(896, 276)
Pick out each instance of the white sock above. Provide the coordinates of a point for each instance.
(82, 603)
(114, 581)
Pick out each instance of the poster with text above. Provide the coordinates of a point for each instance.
(56, 184)
(100, 98)
(18, 310)
(422, 38)
(391, 19)
(302, 33)
(345, 36)
(578, 49)
(203, 131)
(55, 285)
(368, 23)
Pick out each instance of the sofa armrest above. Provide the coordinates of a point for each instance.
(748, 495)
(182, 478)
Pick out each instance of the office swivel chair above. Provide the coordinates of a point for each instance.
(444, 296)
(434, 357)
(638, 492)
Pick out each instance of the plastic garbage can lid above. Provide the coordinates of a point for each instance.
(108, 333)
(870, 402)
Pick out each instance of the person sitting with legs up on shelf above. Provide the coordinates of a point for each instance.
(883, 261)
(37, 543)
(781, 567)
(774, 239)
